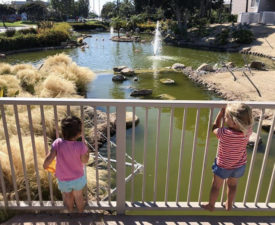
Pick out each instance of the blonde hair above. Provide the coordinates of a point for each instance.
(241, 114)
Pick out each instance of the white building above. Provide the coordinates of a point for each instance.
(253, 11)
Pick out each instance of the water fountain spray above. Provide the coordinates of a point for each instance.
(157, 40)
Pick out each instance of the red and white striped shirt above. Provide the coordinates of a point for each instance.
(232, 148)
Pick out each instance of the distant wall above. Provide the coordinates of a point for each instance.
(267, 5)
(239, 6)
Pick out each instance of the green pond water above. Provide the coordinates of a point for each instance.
(103, 55)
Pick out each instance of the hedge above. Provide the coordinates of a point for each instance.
(44, 39)
(85, 26)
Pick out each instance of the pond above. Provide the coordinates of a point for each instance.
(103, 54)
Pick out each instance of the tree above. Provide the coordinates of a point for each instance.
(126, 9)
(83, 8)
(5, 10)
(117, 23)
(108, 10)
(35, 10)
(64, 7)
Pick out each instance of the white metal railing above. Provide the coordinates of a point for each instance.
(118, 202)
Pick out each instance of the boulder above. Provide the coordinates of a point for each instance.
(135, 79)
(216, 66)
(119, 68)
(166, 97)
(257, 65)
(142, 92)
(127, 72)
(129, 119)
(2, 55)
(252, 139)
(266, 125)
(178, 66)
(205, 67)
(119, 78)
(167, 81)
(230, 64)
(143, 41)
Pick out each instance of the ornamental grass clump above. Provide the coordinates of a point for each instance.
(5, 68)
(28, 79)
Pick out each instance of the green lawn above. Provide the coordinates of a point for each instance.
(17, 24)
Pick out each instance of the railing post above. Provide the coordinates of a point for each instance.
(120, 157)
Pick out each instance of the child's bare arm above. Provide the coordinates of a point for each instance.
(218, 121)
(49, 158)
(85, 158)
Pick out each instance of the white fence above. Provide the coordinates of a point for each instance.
(11, 197)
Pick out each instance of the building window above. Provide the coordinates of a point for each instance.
(255, 3)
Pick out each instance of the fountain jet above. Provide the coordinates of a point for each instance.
(157, 40)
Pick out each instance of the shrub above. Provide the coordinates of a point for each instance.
(10, 32)
(28, 31)
(242, 35)
(222, 37)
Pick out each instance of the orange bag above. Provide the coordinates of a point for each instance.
(51, 167)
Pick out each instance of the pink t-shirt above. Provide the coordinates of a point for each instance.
(232, 148)
(68, 162)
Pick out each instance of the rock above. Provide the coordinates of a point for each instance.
(216, 66)
(119, 78)
(257, 65)
(142, 41)
(127, 72)
(135, 79)
(246, 49)
(80, 40)
(2, 56)
(230, 64)
(266, 125)
(178, 66)
(119, 68)
(252, 139)
(166, 97)
(167, 81)
(129, 119)
(142, 92)
(205, 67)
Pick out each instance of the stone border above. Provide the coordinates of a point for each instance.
(247, 51)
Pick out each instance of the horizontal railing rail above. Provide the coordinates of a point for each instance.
(30, 124)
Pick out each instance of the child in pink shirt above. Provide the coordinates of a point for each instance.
(71, 155)
(231, 158)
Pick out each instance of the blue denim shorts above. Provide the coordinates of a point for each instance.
(227, 173)
(72, 185)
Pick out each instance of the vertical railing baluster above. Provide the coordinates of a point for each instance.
(109, 154)
(96, 156)
(253, 157)
(223, 192)
(68, 110)
(26, 180)
(50, 179)
(120, 157)
(84, 141)
(145, 154)
(34, 155)
(3, 186)
(205, 154)
(193, 156)
(269, 140)
(56, 121)
(181, 154)
(157, 155)
(271, 183)
(133, 153)
(169, 155)
(4, 121)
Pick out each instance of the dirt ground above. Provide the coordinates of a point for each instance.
(264, 39)
(242, 89)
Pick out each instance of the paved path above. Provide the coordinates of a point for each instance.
(99, 219)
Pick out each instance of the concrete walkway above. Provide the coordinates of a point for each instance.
(100, 219)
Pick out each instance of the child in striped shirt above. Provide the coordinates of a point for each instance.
(231, 157)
